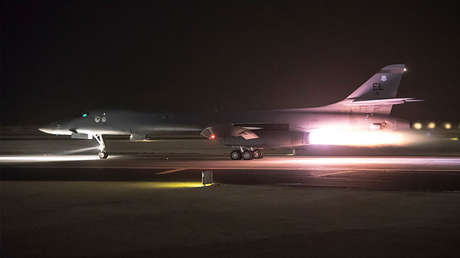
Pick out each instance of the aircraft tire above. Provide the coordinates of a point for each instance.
(247, 155)
(103, 155)
(235, 155)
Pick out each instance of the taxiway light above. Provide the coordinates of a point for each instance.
(431, 125)
(447, 126)
(417, 126)
(206, 177)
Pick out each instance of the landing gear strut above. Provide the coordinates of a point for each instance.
(246, 154)
(103, 154)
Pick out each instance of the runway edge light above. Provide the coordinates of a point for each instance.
(417, 125)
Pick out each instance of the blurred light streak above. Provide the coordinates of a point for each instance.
(79, 150)
(387, 161)
(46, 158)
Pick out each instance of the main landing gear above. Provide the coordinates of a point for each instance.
(246, 154)
(103, 154)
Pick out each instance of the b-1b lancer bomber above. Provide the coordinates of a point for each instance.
(365, 110)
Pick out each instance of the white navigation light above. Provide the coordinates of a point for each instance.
(405, 69)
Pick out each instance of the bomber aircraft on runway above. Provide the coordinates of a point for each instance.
(367, 109)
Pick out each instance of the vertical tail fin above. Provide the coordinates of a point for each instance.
(382, 85)
(375, 96)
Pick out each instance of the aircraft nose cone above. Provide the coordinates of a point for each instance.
(50, 129)
(45, 130)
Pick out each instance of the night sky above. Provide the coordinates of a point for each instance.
(61, 58)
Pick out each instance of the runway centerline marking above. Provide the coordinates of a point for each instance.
(171, 171)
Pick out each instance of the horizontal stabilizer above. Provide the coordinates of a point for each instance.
(390, 101)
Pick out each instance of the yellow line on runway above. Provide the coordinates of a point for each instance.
(171, 171)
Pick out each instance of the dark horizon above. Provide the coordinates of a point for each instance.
(65, 58)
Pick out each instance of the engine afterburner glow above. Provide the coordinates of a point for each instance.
(356, 137)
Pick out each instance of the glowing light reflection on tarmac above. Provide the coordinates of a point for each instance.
(46, 158)
(169, 185)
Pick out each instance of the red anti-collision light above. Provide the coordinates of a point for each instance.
(212, 137)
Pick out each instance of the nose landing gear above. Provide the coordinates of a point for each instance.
(103, 154)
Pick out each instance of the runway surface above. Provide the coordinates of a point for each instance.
(383, 173)
(154, 205)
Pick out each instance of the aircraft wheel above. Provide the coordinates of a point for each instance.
(247, 155)
(235, 155)
(103, 155)
(257, 154)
